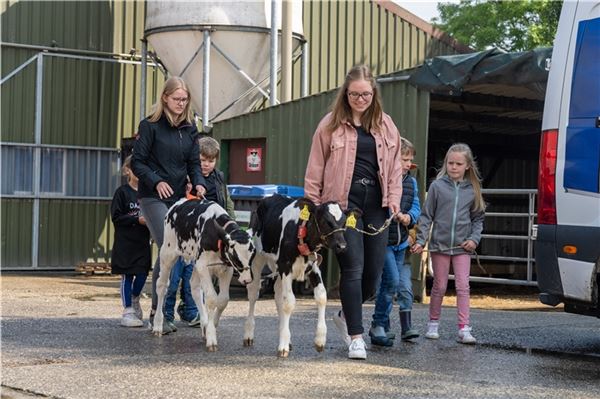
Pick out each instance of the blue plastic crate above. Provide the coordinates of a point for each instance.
(263, 190)
(292, 191)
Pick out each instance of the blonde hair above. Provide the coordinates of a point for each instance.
(340, 108)
(126, 167)
(407, 148)
(209, 147)
(472, 173)
(171, 85)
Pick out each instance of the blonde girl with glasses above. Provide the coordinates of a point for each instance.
(355, 160)
(165, 154)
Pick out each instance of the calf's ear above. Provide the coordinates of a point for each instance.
(301, 202)
(220, 230)
(356, 211)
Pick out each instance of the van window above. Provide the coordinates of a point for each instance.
(582, 153)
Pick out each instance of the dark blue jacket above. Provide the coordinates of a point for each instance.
(166, 153)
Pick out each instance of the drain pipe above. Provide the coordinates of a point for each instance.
(274, 48)
(286, 51)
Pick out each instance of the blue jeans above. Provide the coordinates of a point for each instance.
(180, 272)
(396, 279)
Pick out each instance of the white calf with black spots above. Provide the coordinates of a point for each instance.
(287, 234)
(203, 232)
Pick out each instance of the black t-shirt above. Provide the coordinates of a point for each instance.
(365, 165)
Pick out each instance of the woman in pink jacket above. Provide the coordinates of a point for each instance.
(355, 160)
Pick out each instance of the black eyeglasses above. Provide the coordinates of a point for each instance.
(366, 95)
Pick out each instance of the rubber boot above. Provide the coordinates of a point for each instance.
(406, 325)
(378, 337)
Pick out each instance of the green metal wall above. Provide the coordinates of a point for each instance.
(74, 231)
(342, 34)
(15, 248)
(288, 128)
(85, 102)
(89, 103)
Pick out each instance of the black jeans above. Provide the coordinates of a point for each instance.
(362, 262)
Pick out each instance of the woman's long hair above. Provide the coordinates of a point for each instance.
(171, 85)
(340, 109)
(472, 173)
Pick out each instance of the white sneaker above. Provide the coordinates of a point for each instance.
(465, 337)
(357, 349)
(129, 319)
(432, 330)
(340, 323)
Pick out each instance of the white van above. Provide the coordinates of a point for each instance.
(567, 248)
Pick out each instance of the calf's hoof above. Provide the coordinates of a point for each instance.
(212, 348)
(319, 348)
(157, 332)
(248, 342)
(283, 353)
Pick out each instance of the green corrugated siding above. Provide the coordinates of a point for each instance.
(73, 232)
(18, 97)
(92, 103)
(88, 103)
(107, 26)
(288, 128)
(16, 232)
(345, 33)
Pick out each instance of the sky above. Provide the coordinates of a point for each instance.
(424, 9)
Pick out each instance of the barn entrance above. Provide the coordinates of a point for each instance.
(494, 102)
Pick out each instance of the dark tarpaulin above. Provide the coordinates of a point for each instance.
(454, 73)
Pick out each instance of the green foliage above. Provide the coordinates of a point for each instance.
(508, 25)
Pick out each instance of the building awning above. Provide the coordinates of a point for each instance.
(518, 74)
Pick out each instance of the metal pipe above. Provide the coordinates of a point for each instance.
(304, 66)
(273, 58)
(59, 146)
(240, 71)
(18, 69)
(494, 280)
(250, 90)
(143, 79)
(191, 60)
(37, 162)
(286, 50)
(67, 50)
(205, 81)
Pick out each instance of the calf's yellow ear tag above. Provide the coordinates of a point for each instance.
(351, 221)
(304, 213)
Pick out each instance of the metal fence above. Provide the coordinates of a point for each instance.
(524, 236)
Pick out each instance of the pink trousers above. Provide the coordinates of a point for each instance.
(461, 264)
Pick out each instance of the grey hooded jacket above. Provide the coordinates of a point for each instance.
(448, 209)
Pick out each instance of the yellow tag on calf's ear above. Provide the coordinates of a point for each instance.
(304, 213)
(351, 221)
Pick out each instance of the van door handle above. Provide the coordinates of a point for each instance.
(598, 121)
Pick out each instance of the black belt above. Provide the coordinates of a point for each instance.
(366, 182)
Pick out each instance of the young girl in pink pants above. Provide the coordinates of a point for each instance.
(454, 211)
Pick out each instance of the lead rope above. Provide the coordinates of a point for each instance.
(376, 231)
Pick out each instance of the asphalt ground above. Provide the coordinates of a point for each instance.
(60, 338)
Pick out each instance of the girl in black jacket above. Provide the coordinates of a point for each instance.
(165, 154)
(131, 253)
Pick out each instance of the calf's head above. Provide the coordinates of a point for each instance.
(239, 250)
(331, 224)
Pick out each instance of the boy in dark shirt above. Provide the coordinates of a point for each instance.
(216, 190)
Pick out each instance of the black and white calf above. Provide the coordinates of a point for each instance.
(203, 232)
(287, 233)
